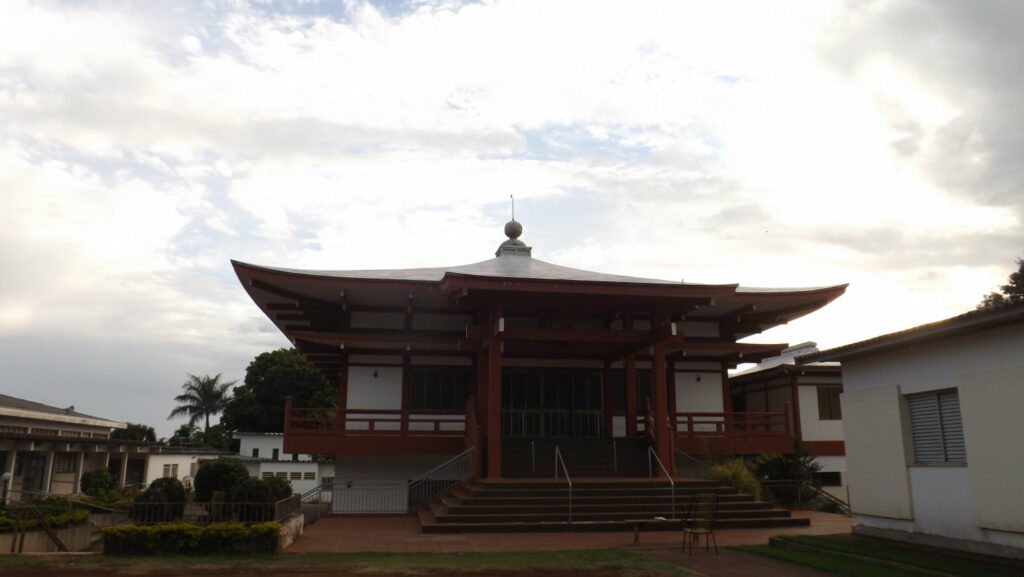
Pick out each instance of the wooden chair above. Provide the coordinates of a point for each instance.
(700, 520)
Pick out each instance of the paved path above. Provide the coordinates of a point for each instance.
(402, 535)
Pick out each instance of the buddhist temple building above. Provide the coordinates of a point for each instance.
(429, 362)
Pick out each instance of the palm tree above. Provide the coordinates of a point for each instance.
(203, 396)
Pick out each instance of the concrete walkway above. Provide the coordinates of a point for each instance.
(402, 535)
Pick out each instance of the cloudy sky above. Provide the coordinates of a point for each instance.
(143, 145)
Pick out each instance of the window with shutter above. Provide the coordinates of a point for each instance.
(828, 404)
(938, 432)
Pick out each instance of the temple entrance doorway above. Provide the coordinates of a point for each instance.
(544, 403)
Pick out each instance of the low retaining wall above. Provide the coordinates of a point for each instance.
(291, 529)
(78, 538)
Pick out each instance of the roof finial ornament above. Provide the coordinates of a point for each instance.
(513, 230)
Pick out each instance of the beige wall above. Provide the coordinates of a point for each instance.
(875, 452)
(990, 403)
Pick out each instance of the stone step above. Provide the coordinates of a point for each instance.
(601, 526)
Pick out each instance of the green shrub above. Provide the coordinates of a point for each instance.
(95, 482)
(280, 488)
(55, 521)
(789, 471)
(218, 475)
(163, 500)
(191, 539)
(736, 473)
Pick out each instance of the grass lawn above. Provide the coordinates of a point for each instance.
(597, 562)
(876, 558)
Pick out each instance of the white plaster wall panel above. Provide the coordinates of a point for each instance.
(439, 322)
(703, 396)
(990, 406)
(875, 452)
(934, 366)
(811, 427)
(374, 320)
(697, 329)
(374, 388)
(942, 502)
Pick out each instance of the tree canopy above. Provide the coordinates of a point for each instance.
(204, 396)
(135, 432)
(1010, 293)
(257, 406)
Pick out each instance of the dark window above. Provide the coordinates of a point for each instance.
(936, 427)
(275, 453)
(256, 452)
(440, 389)
(828, 404)
(643, 389)
(295, 456)
(64, 462)
(828, 479)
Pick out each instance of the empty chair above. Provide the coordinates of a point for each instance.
(700, 520)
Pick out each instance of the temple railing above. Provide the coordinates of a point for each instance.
(373, 422)
(733, 432)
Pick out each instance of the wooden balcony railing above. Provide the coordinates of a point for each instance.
(733, 433)
(372, 422)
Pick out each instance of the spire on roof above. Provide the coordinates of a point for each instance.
(513, 246)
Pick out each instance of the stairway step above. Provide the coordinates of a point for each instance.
(599, 516)
(600, 526)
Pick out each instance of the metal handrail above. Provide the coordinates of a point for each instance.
(560, 460)
(311, 495)
(650, 473)
(460, 465)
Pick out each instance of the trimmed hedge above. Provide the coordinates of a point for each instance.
(191, 539)
(58, 521)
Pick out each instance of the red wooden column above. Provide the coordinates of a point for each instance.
(663, 442)
(481, 388)
(493, 408)
(631, 395)
(608, 396)
(342, 393)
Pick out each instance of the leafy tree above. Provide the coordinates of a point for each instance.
(135, 432)
(203, 396)
(258, 405)
(218, 475)
(1010, 293)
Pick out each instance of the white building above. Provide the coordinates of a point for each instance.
(46, 449)
(264, 456)
(932, 423)
(809, 395)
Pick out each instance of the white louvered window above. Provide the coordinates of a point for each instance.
(937, 429)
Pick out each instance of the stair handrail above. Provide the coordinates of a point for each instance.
(559, 460)
(652, 457)
(19, 510)
(311, 495)
(460, 465)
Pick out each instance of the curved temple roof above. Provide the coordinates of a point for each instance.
(307, 305)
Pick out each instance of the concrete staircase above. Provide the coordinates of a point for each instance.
(532, 505)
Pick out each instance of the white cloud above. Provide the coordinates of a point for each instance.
(143, 146)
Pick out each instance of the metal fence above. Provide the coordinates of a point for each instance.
(212, 512)
(370, 496)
